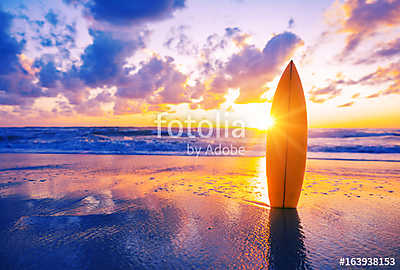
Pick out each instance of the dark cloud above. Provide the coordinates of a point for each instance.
(364, 18)
(13, 99)
(104, 58)
(39, 23)
(291, 23)
(19, 85)
(46, 42)
(103, 61)
(52, 17)
(9, 46)
(48, 74)
(390, 49)
(16, 83)
(154, 84)
(55, 81)
(232, 31)
(102, 65)
(123, 12)
(73, 88)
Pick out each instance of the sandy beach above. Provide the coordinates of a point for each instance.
(176, 212)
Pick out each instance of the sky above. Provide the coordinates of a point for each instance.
(122, 63)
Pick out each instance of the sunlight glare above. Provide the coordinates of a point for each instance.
(270, 122)
(263, 123)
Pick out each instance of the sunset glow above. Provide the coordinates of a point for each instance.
(71, 65)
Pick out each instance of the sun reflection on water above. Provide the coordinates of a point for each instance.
(260, 183)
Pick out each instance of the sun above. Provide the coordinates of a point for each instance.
(270, 122)
(263, 123)
(256, 115)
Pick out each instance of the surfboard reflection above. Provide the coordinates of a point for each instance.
(286, 241)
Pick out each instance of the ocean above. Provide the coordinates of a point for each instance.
(342, 144)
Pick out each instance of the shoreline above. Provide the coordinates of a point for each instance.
(192, 156)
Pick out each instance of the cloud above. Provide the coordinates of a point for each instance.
(178, 40)
(291, 23)
(251, 68)
(125, 13)
(384, 51)
(19, 85)
(52, 17)
(320, 95)
(365, 18)
(48, 74)
(389, 74)
(56, 81)
(10, 48)
(16, 86)
(237, 36)
(390, 49)
(212, 100)
(93, 106)
(103, 60)
(375, 95)
(157, 81)
(348, 104)
(55, 35)
(102, 65)
(216, 45)
(151, 85)
(128, 106)
(46, 42)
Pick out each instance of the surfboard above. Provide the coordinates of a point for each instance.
(287, 141)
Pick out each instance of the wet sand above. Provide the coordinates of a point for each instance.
(152, 212)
